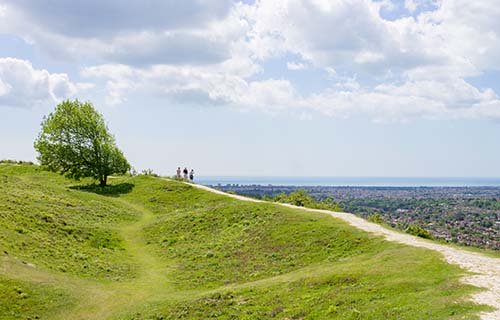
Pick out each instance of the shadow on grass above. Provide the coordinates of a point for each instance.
(114, 190)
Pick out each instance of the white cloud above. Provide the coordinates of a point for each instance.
(295, 66)
(414, 66)
(323, 32)
(196, 85)
(410, 5)
(426, 55)
(469, 29)
(4, 88)
(132, 32)
(23, 86)
(368, 57)
(408, 101)
(443, 98)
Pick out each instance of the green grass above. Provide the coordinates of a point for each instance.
(45, 222)
(150, 248)
(225, 241)
(33, 301)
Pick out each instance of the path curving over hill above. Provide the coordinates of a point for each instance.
(486, 270)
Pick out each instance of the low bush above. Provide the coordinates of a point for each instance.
(149, 172)
(8, 161)
(376, 218)
(301, 198)
(418, 231)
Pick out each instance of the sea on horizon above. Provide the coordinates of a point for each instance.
(352, 181)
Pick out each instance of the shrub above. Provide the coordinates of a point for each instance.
(148, 172)
(301, 198)
(376, 218)
(418, 231)
(8, 161)
(132, 172)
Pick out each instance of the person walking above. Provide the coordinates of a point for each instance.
(178, 173)
(191, 175)
(185, 171)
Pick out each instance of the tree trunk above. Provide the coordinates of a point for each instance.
(103, 181)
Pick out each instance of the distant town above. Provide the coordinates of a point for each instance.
(464, 215)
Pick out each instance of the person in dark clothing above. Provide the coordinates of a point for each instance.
(185, 171)
(191, 175)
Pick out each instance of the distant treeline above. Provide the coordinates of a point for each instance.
(303, 199)
(8, 161)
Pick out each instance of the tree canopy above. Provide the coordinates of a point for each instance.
(76, 142)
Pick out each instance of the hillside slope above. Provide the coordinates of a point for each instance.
(148, 248)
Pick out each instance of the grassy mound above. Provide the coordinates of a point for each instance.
(150, 248)
(214, 240)
(45, 222)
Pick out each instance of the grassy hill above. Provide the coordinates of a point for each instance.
(150, 248)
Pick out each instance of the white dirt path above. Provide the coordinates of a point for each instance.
(486, 270)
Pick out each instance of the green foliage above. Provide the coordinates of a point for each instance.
(418, 231)
(467, 221)
(491, 204)
(149, 172)
(8, 161)
(75, 141)
(376, 218)
(301, 198)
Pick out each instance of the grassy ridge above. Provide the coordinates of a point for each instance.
(218, 241)
(159, 249)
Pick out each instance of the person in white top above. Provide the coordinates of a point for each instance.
(191, 175)
(179, 173)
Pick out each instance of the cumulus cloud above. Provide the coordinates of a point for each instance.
(295, 66)
(407, 67)
(409, 100)
(386, 102)
(213, 52)
(133, 32)
(410, 5)
(346, 35)
(396, 69)
(197, 85)
(469, 29)
(21, 85)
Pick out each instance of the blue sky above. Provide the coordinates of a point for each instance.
(282, 87)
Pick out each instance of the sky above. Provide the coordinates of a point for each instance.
(264, 88)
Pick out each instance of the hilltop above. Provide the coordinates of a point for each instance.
(152, 248)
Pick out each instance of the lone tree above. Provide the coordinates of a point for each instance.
(75, 141)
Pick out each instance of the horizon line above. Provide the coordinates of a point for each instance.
(328, 176)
